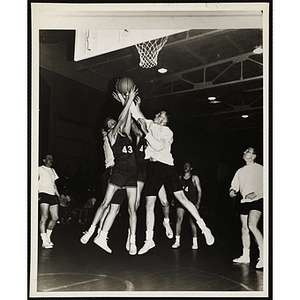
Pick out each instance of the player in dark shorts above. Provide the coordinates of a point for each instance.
(161, 171)
(48, 200)
(192, 189)
(248, 180)
(123, 173)
(142, 163)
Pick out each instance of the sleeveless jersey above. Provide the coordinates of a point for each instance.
(123, 152)
(140, 149)
(189, 189)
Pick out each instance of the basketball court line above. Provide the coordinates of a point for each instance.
(69, 285)
(129, 286)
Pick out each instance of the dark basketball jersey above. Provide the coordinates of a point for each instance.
(140, 149)
(189, 189)
(123, 152)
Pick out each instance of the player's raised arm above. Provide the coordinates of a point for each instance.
(124, 120)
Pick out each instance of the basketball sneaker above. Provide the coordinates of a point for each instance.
(209, 238)
(132, 245)
(132, 249)
(86, 236)
(176, 245)
(50, 242)
(128, 240)
(46, 244)
(244, 259)
(260, 264)
(149, 244)
(102, 243)
(195, 244)
(169, 231)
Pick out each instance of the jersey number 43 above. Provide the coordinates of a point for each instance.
(127, 149)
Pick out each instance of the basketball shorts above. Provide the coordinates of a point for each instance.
(159, 174)
(245, 208)
(141, 167)
(122, 177)
(119, 197)
(49, 199)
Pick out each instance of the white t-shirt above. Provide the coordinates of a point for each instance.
(249, 179)
(108, 153)
(46, 180)
(160, 139)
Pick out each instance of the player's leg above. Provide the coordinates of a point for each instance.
(194, 233)
(110, 191)
(180, 214)
(44, 210)
(101, 239)
(139, 189)
(131, 194)
(245, 258)
(103, 218)
(254, 217)
(150, 220)
(140, 186)
(53, 209)
(162, 195)
(180, 196)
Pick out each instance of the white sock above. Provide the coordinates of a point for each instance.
(44, 236)
(92, 228)
(177, 238)
(49, 232)
(246, 252)
(132, 239)
(167, 220)
(149, 235)
(103, 234)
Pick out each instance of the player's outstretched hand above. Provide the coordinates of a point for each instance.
(232, 193)
(119, 97)
(104, 133)
(137, 100)
(143, 125)
(133, 93)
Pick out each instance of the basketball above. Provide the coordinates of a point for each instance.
(125, 84)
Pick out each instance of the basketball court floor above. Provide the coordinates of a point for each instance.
(73, 267)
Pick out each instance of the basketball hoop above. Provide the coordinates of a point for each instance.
(149, 50)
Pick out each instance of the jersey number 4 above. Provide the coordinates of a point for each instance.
(186, 188)
(127, 149)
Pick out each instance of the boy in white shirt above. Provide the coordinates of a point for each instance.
(248, 180)
(48, 199)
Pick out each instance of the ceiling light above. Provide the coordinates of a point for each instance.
(258, 50)
(245, 116)
(212, 98)
(162, 70)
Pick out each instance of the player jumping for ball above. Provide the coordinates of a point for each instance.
(123, 172)
(142, 163)
(161, 171)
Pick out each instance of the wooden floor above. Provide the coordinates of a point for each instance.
(73, 267)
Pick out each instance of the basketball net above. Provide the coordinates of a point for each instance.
(149, 50)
